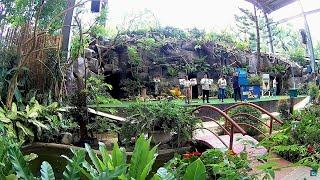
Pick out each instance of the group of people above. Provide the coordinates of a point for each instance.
(206, 83)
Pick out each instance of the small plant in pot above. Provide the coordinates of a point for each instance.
(165, 121)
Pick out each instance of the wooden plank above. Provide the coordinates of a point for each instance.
(110, 116)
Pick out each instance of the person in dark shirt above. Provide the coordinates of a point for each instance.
(236, 86)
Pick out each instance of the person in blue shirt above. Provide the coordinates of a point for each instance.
(236, 86)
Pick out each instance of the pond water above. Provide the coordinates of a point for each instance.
(58, 163)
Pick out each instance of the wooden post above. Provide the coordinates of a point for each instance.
(231, 137)
(291, 104)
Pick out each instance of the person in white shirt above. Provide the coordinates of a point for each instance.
(205, 84)
(222, 83)
(274, 83)
(187, 90)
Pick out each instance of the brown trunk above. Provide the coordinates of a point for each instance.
(258, 39)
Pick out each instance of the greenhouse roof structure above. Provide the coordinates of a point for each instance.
(269, 6)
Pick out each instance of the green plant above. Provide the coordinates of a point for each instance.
(242, 46)
(131, 87)
(298, 140)
(165, 116)
(147, 43)
(284, 110)
(5, 76)
(35, 118)
(304, 89)
(97, 91)
(133, 56)
(255, 80)
(173, 72)
(298, 55)
(216, 164)
(245, 119)
(114, 166)
(9, 156)
(313, 92)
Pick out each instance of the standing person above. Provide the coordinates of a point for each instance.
(205, 84)
(222, 83)
(187, 90)
(274, 83)
(236, 86)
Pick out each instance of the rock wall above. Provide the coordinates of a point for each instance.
(170, 60)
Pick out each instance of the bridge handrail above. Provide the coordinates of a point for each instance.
(213, 134)
(250, 115)
(255, 106)
(227, 118)
(211, 119)
(245, 124)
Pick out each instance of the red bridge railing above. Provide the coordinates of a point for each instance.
(272, 117)
(233, 124)
(228, 119)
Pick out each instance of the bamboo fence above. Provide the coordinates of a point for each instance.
(20, 40)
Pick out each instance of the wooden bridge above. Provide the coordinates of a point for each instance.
(231, 140)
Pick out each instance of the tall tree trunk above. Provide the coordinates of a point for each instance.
(258, 39)
(269, 33)
(66, 30)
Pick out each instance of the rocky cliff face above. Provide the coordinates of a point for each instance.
(132, 64)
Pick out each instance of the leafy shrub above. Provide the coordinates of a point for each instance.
(313, 92)
(31, 122)
(172, 72)
(216, 164)
(298, 56)
(304, 89)
(245, 119)
(111, 166)
(97, 91)
(133, 56)
(242, 46)
(255, 80)
(284, 109)
(229, 92)
(165, 116)
(298, 141)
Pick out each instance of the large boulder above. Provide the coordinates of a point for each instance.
(189, 45)
(88, 53)
(79, 67)
(93, 65)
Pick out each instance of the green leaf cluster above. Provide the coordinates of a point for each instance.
(29, 123)
(217, 164)
(165, 116)
(298, 140)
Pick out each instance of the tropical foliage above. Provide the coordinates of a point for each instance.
(109, 166)
(298, 141)
(166, 116)
(216, 164)
(31, 122)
